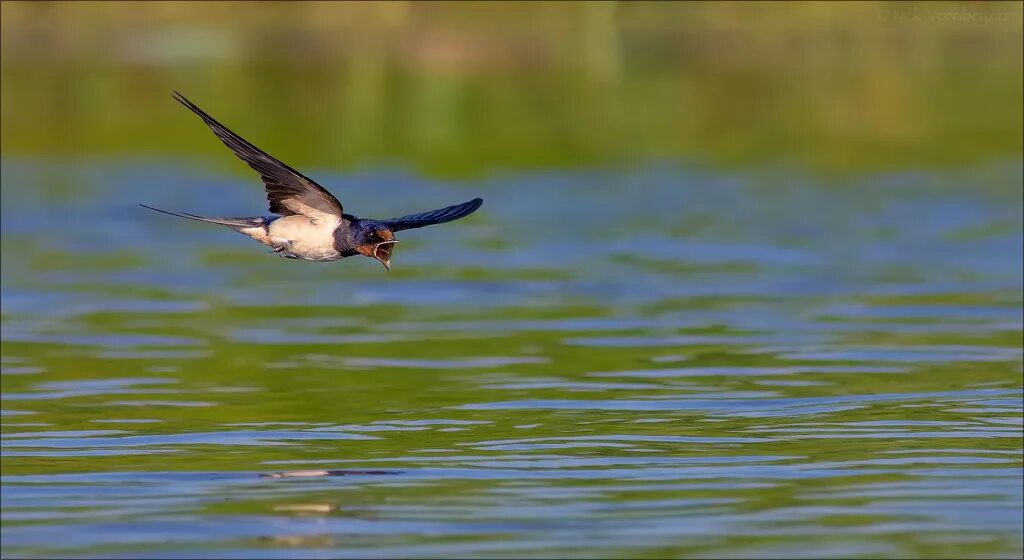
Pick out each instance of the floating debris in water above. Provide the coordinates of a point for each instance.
(308, 474)
(305, 508)
(301, 540)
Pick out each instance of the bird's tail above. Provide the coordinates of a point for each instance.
(233, 223)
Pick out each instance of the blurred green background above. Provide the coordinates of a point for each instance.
(462, 88)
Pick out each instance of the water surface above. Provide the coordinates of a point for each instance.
(658, 361)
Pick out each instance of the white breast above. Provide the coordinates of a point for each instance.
(305, 238)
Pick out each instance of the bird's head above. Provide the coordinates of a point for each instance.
(375, 240)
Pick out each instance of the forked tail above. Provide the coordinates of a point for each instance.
(233, 223)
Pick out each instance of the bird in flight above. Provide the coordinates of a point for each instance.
(308, 222)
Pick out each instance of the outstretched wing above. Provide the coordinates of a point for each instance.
(439, 216)
(288, 191)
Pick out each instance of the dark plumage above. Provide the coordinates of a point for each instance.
(439, 216)
(310, 223)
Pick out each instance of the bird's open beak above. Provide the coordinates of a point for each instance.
(382, 252)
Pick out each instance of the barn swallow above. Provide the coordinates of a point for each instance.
(308, 221)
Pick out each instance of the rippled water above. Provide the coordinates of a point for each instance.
(665, 361)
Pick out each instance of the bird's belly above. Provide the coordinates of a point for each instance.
(300, 237)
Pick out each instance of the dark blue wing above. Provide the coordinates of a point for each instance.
(288, 191)
(439, 216)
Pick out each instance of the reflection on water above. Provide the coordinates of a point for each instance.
(703, 364)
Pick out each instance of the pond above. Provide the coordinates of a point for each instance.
(700, 363)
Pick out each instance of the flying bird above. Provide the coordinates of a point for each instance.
(308, 221)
